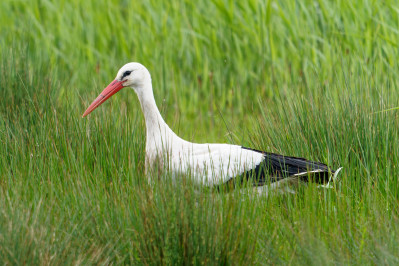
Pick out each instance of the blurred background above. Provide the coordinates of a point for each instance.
(208, 60)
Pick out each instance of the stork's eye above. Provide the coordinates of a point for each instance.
(126, 73)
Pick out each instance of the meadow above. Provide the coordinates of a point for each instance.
(314, 79)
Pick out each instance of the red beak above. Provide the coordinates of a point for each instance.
(110, 90)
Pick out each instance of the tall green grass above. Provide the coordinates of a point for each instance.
(309, 79)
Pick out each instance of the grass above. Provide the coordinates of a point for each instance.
(316, 79)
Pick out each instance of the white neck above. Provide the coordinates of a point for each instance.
(159, 136)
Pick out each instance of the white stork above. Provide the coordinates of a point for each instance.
(209, 164)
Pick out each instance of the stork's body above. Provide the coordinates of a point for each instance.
(209, 164)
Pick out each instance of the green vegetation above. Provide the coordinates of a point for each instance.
(305, 78)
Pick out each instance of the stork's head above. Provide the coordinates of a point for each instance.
(133, 75)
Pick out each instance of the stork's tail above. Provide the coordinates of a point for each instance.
(333, 179)
(285, 185)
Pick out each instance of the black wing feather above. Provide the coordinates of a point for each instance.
(276, 167)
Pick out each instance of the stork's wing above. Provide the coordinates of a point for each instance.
(215, 164)
(275, 167)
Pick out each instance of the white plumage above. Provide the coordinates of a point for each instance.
(209, 164)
